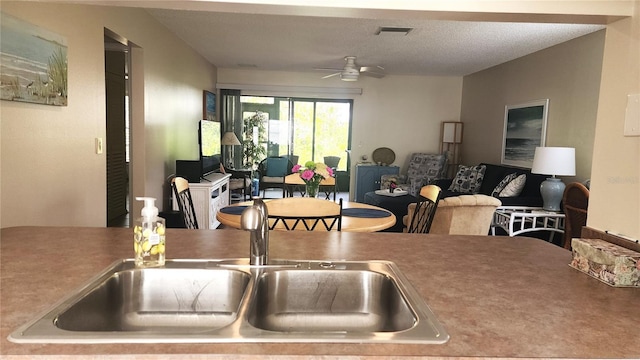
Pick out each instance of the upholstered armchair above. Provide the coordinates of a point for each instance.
(423, 170)
(462, 215)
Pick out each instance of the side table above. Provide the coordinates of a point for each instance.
(396, 204)
(516, 220)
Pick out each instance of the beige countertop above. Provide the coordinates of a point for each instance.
(496, 296)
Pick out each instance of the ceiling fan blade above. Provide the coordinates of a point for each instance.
(328, 76)
(373, 71)
(327, 69)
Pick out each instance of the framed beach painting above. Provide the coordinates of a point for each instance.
(208, 105)
(525, 127)
(33, 63)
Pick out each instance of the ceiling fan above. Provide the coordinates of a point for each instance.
(351, 71)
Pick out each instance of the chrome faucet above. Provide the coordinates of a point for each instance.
(255, 219)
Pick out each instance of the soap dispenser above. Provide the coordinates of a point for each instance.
(149, 236)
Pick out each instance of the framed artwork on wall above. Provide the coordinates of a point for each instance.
(208, 105)
(525, 127)
(33, 63)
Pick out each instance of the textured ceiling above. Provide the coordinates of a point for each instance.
(302, 43)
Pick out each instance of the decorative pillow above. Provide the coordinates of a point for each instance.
(514, 188)
(277, 167)
(507, 179)
(468, 179)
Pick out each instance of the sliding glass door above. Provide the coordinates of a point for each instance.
(308, 128)
(321, 128)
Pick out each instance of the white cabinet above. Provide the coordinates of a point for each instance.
(209, 196)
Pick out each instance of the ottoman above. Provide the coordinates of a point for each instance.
(396, 204)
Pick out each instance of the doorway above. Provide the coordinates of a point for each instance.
(117, 129)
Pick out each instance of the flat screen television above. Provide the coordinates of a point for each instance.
(209, 138)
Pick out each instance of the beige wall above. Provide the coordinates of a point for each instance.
(615, 197)
(51, 174)
(566, 74)
(399, 112)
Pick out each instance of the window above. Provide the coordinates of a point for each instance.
(308, 128)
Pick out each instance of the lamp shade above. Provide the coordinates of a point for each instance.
(452, 132)
(554, 161)
(230, 138)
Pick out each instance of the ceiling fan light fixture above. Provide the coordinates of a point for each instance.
(348, 77)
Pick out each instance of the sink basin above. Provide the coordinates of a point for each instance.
(228, 300)
(329, 300)
(159, 300)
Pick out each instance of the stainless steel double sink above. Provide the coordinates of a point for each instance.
(228, 300)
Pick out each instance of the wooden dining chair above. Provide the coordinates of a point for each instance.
(575, 201)
(329, 186)
(185, 203)
(424, 210)
(310, 214)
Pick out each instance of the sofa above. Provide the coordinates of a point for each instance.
(494, 175)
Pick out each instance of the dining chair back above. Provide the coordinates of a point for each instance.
(294, 158)
(312, 214)
(332, 161)
(575, 202)
(185, 203)
(424, 210)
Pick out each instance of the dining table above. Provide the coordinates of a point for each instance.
(356, 217)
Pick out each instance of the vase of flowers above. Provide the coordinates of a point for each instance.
(392, 186)
(312, 174)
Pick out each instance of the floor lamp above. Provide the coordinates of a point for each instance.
(230, 139)
(553, 161)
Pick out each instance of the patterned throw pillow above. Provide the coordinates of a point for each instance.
(468, 179)
(507, 179)
(514, 188)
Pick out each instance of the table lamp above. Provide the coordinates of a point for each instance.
(230, 139)
(553, 161)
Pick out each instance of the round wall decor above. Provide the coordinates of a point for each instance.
(384, 155)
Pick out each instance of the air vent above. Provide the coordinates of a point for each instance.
(393, 30)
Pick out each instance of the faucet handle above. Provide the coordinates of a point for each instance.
(251, 219)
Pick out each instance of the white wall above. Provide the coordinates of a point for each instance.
(51, 174)
(402, 113)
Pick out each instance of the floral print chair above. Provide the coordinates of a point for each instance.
(423, 170)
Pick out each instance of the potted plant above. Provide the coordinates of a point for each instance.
(254, 135)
